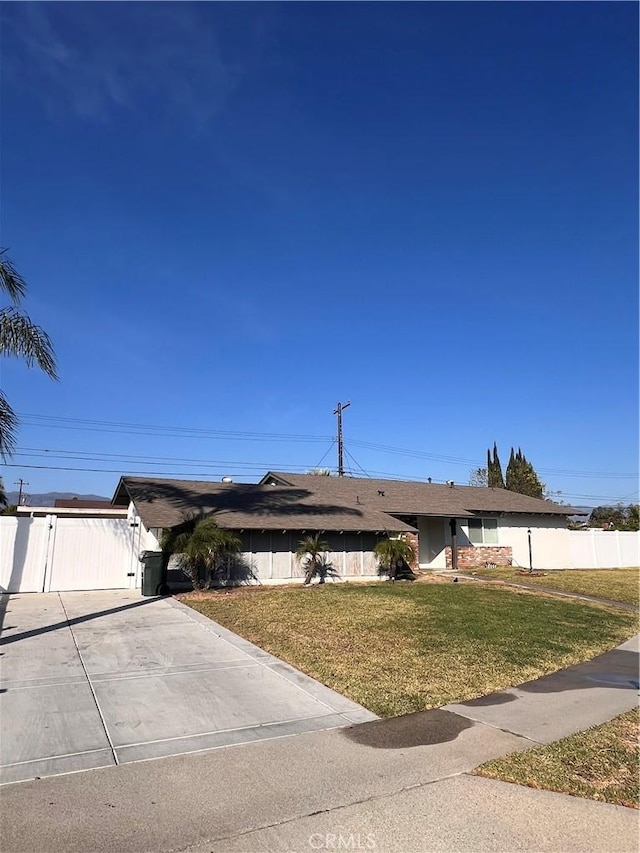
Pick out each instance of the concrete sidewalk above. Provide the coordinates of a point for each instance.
(564, 702)
(540, 589)
(397, 785)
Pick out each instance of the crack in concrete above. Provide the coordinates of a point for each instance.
(91, 688)
(285, 821)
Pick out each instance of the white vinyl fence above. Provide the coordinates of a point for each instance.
(603, 549)
(52, 553)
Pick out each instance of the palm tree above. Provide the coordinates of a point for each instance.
(21, 338)
(312, 550)
(394, 553)
(201, 544)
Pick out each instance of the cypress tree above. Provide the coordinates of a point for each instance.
(522, 477)
(494, 469)
(499, 479)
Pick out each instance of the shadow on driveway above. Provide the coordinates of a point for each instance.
(75, 621)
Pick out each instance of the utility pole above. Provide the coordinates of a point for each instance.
(338, 411)
(20, 482)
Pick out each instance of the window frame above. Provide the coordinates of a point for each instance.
(483, 528)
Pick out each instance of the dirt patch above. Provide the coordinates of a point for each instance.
(523, 573)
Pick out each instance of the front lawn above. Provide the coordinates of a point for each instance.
(599, 764)
(402, 648)
(613, 584)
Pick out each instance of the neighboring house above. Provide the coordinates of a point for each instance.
(452, 526)
(581, 520)
(81, 503)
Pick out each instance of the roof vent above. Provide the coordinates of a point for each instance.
(428, 479)
(380, 493)
(227, 479)
(450, 483)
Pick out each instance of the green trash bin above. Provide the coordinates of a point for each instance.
(154, 576)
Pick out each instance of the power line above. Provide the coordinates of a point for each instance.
(150, 461)
(325, 454)
(120, 428)
(109, 471)
(353, 459)
(169, 431)
(225, 471)
(456, 460)
(94, 456)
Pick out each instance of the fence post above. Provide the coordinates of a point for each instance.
(618, 548)
(49, 550)
(594, 548)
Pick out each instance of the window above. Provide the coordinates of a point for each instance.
(483, 531)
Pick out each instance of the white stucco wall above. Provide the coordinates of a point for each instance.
(146, 540)
(549, 540)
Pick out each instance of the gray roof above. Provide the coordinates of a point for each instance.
(402, 497)
(166, 503)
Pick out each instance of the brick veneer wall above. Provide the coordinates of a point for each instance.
(414, 540)
(477, 557)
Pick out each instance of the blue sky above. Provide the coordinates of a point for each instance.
(231, 216)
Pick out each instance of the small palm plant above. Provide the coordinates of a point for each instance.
(201, 545)
(312, 551)
(394, 554)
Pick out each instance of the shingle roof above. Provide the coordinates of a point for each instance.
(402, 497)
(166, 503)
(81, 503)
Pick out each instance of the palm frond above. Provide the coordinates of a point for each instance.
(388, 551)
(10, 279)
(8, 428)
(201, 544)
(21, 338)
(311, 546)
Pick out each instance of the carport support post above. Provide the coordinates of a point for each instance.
(454, 545)
(530, 552)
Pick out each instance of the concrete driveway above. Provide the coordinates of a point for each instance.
(92, 679)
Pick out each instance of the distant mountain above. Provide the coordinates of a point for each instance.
(49, 498)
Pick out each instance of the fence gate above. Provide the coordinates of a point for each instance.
(55, 554)
(90, 553)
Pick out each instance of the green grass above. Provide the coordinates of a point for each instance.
(398, 649)
(599, 764)
(613, 584)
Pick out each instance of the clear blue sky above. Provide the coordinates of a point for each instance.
(231, 216)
